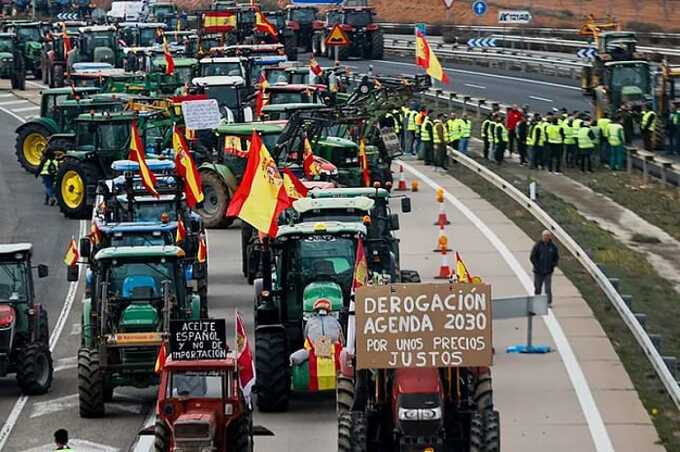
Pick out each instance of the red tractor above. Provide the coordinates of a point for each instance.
(201, 408)
(302, 19)
(365, 37)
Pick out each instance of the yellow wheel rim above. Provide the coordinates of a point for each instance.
(72, 189)
(34, 146)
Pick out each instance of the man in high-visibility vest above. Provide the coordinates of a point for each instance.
(409, 145)
(603, 125)
(453, 130)
(648, 126)
(48, 173)
(570, 145)
(617, 139)
(586, 140)
(674, 131)
(487, 136)
(439, 140)
(500, 140)
(534, 142)
(426, 134)
(555, 135)
(465, 124)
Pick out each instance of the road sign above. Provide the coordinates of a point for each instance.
(514, 16)
(482, 42)
(587, 53)
(423, 325)
(337, 37)
(198, 339)
(67, 16)
(479, 8)
(448, 4)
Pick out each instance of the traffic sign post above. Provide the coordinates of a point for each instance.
(479, 8)
(337, 38)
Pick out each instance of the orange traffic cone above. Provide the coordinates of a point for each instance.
(442, 242)
(401, 186)
(441, 217)
(414, 185)
(444, 268)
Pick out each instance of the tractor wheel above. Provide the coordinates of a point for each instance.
(58, 76)
(35, 370)
(44, 332)
(345, 432)
(359, 432)
(161, 436)
(90, 384)
(71, 185)
(216, 201)
(239, 436)
(344, 394)
(343, 53)
(476, 432)
(377, 45)
(483, 395)
(273, 374)
(492, 431)
(30, 145)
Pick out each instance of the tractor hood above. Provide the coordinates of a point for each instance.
(33, 46)
(322, 290)
(631, 93)
(195, 430)
(139, 318)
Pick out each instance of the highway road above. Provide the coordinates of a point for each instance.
(576, 398)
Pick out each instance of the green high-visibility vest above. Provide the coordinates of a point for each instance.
(648, 120)
(466, 126)
(553, 133)
(452, 126)
(603, 124)
(411, 126)
(504, 133)
(543, 125)
(485, 127)
(675, 118)
(577, 123)
(615, 134)
(435, 136)
(50, 167)
(569, 133)
(584, 141)
(532, 133)
(424, 130)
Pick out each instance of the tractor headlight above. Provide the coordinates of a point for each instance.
(407, 414)
(7, 60)
(431, 414)
(420, 414)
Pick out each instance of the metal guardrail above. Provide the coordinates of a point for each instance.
(634, 326)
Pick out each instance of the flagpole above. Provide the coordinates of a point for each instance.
(266, 265)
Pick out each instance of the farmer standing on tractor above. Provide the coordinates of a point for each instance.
(48, 170)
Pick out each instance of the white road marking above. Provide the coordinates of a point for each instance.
(36, 84)
(76, 444)
(54, 405)
(6, 95)
(19, 405)
(540, 98)
(76, 328)
(18, 110)
(591, 413)
(66, 363)
(14, 102)
(472, 85)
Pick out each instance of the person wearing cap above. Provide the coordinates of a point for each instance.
(555, 135)
(319, 324)
(586, 140)
(570, 145)
(617, 139)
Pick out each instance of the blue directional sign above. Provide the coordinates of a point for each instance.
(67, 16)
(587, 53)
(479, 7)
(482, 42)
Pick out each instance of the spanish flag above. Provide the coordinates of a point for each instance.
(309, 166)
(67, 41)
(426, 58)
(137, 155)
(181, 233)
(218, 21)
(169, 60)
(360, 278)
(462, 272)
(193, 188)
(264, 26)
(72, 255)
(322, 369)
(315, 67)
(294, 187)
(244, 358)
(261, 196)
(202, 254)
(260, 100)
(363, 164)
(95, 234)
(160, 359)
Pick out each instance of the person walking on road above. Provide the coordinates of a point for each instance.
(61, 440)
(544, 258)
(48, 172)
(513, 116)
(647, 126)
(617, 138)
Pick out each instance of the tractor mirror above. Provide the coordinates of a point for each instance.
(72, 273)
(197, 271)
(43, 270)
(405, 205)
(85, 247)
(394, 222)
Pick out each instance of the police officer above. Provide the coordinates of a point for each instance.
(500, 140)
(647, 127)
(48, 171)
(617, 138)
(411, 131)
(534, 137)
(586, 140)
(426, 135)
(570, 141)
(61, 440)
(555, 135)
(487, 135)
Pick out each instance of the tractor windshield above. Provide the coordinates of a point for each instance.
(164, 10)
(147, 37)
(133, 280)
(150, 211)
(226, 96)
(358, 18)
(92, 41)
(303, 15)
(13, 281)
(6, 44)
(277, 76)
(198, 384)
(184, 74)
(28, 34)
(111, 136)
(222, 68)
(289, 97)
(142, 239)
(325, 257)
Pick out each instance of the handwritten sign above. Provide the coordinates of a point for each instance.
(423, 325)
(201, 114)
(198, 339)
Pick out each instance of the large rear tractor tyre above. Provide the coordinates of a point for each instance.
(71, 185)
(273, 374)
(344, 394)
(359, 432)
(90, 384)
(216, 201)
(161, 436)
(240, 437)
(483, 395)
(30, 145)
(476, 432)
(35, 371)
(345, 432)
(492, 431)
(377, 45)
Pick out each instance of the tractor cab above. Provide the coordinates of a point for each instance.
(302, 20)
(11, 61)
(223, 66)
(99, 44)
(230, 93)
(140, 34)
(287, 93)
(30, 37)
(358, 23)
(166, 12)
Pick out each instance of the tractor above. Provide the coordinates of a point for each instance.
(365, 37)
(12, 61)
(200, 407)
(140, 34)
(30, 42)
(302, 20)
(313, 261)
(24, 333)
(286, 35)
(166, 12)
(136, 292)
(99, 44)
(230, 92)
(55, 61)
(58, 111)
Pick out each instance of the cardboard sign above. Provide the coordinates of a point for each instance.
(201, 114)
(337, 37)
(390, 141)
(514, 17)
(191, 340)
(423, 325)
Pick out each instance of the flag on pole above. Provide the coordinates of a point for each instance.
(161, 358)
(363, 163)
(462, 272)
(72, 255)
(219, 21)
(186, 168)
(294, 187)
(360, 267)
(260, 100)
(68, 46)
(181, 233)
(95, 234)
(202, 254)
(315, 67)
(261, 196)
(169, 60)
(309, 166)
(264, 26)
(244, 359)
(137, 155)
(426, 58)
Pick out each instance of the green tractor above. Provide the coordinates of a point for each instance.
(99, 44)
(30, 38)
(24, 333)
(99, 140)
(313, 260)
(58, 111)
(136, 292)
(11, 61)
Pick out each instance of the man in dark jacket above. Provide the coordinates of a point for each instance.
(544, 258)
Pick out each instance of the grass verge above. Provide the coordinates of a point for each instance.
(652, 294)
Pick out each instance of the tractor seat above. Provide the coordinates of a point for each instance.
(139, 286)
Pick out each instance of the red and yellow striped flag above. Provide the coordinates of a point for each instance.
(322, 369)
(202, 254)
(261, 196)
(160, 359)
(193, 188)
(95, 234)
(218, 21)
(181, 233)
(294, 186)
(363, 164)
(72, 255)
(264, 26)
(462, 272)
(426, 58)
(137, 155)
